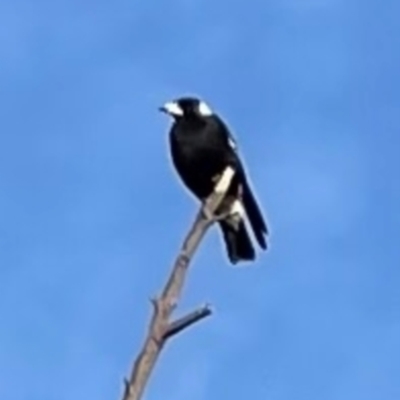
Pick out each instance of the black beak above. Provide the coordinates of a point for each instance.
(162, 109)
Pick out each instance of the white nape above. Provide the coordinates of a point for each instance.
(204, 109)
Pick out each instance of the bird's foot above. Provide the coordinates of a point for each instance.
(221, 216)
(207, 213)
(210, 216)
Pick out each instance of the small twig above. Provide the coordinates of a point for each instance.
(184, 322)
(160, 328)
(127, 388)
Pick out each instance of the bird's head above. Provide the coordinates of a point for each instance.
(187, 108)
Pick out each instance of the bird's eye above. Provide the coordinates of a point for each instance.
(204, 109)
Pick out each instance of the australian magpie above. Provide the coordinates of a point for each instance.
(201, 148)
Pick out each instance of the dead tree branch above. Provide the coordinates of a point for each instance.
(161, 329)
(186, 321)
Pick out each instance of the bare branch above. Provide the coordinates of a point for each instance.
(160, 328)
(189, 319)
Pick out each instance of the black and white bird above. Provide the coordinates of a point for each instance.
(202, 148)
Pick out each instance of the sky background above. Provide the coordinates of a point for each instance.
(92, 214)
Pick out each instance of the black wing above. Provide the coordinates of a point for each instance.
(250, 203)
(226, 136)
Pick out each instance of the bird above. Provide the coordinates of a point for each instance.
(201, 148)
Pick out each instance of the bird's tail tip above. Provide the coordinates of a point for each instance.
(238, 243)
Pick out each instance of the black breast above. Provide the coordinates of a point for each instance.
(199, 153)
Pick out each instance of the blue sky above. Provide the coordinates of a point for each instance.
(92, 214)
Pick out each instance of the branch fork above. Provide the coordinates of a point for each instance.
(161, 328)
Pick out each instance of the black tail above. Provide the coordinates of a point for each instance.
(254, 215)
(237, 241)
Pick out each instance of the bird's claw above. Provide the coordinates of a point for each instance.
(207, 213)
(221, 216)
(210, 216)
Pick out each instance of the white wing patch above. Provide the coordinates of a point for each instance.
(232, 142)
(237, 209)
(225, 180)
